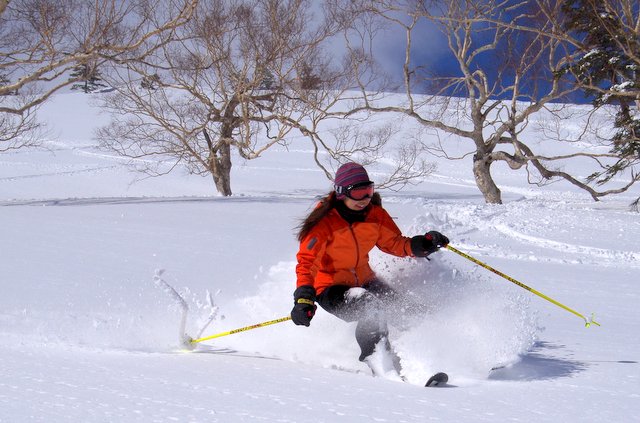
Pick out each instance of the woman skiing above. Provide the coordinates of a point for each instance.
(333, 261)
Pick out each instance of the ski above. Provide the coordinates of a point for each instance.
(437, 380)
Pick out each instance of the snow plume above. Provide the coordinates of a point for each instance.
(453, 316)
(445, 319)
(328, 342)
(469, 325)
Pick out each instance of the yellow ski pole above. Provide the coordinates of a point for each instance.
(234, 331)
(587, 321)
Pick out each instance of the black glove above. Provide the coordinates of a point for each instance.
(304, 305)
(423, 245)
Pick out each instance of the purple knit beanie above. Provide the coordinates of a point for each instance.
(350, 174)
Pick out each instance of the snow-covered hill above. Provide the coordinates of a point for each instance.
(86, 335)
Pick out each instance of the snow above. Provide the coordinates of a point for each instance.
(86, 334)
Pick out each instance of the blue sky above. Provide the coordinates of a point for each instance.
(430, 49)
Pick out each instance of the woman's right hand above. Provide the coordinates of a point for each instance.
(304, 307)
(303, 312)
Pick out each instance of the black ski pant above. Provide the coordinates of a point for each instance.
(365, 307)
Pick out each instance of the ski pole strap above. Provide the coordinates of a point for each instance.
(246, 328)
(588, 321)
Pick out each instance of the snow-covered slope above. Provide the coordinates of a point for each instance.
(86, 335)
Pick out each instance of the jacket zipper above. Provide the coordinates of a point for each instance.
(355, 240)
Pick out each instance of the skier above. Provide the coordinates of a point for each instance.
(333, 263)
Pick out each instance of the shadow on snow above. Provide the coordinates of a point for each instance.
(536, 365)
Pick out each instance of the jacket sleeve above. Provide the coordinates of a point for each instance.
(312, 248)
(390, 239)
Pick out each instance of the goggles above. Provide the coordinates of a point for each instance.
(358, 191)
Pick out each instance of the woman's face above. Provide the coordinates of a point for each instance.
(357, 205)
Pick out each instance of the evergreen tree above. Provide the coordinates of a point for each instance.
(88, 76)
(309, 80)
(268, 80)
(608, 68)
(150, 82)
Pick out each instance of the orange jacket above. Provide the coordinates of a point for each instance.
(335, 252)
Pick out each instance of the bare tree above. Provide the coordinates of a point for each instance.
(41, 41)
(239, 78)
(509, 56)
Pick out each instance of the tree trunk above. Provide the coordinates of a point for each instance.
(482, 174)
(220, 166)
(219, 162)
(223, 182)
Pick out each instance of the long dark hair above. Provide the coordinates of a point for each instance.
(326, 204)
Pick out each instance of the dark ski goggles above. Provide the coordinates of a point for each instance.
(358, 191)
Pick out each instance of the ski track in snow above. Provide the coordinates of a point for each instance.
(463, 222)
(602, 256)
(96, 201)
(60, 173)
